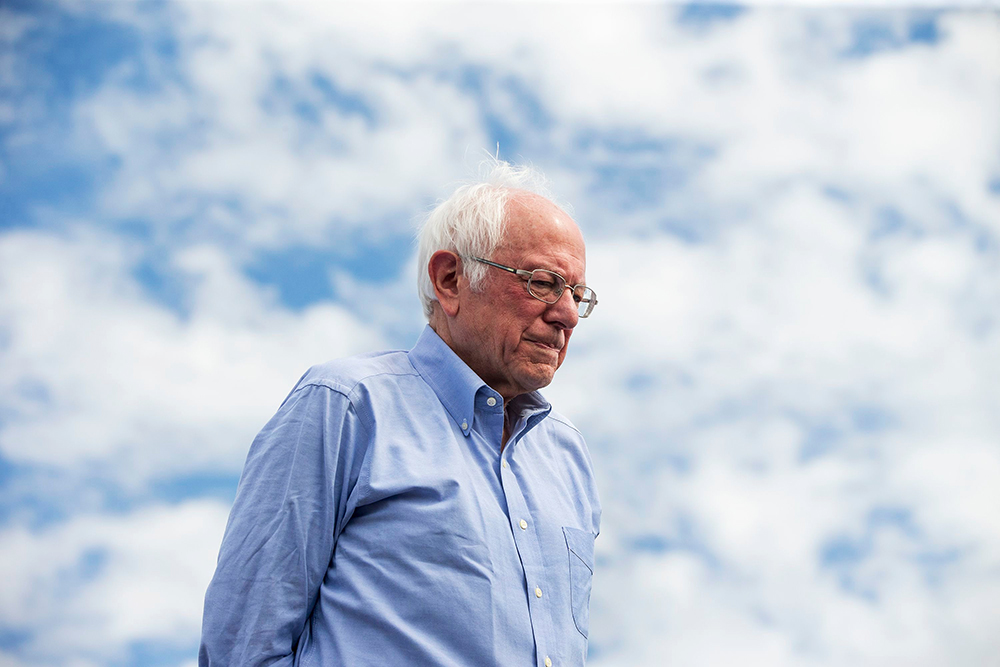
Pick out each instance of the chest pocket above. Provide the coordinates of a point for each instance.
(580, 550)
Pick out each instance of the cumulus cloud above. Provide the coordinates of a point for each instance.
(771, 424)
(283, 118)
(95, 373)
(87, 590)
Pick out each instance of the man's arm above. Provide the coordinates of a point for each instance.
(289, 508)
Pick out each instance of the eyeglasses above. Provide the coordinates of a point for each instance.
(548, 286)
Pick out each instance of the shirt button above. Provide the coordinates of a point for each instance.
(538, 592)
(465, 426)
(548, 662)
(523, 524)
(503, 463)
(491, 401)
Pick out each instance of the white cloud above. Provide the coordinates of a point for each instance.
(93, 585)
(96, 373)
(745, 345)
(223, 132)
(770, 93)
(699, 380)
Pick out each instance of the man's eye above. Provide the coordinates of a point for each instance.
(543, 284)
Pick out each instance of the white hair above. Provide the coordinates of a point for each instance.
(472, 222)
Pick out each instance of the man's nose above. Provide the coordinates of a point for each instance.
(565, 311)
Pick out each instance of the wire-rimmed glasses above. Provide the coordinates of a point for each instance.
(548, 286)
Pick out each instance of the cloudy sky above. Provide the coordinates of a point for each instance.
(790, 387)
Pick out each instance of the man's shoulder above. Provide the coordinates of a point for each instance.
(347, 374)
(559, 424)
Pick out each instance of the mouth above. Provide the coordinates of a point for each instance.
(552, 346)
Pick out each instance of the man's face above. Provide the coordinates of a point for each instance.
(513, 341)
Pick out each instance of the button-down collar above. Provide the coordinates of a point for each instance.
(457, 385)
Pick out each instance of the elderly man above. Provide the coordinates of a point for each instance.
(428, 507)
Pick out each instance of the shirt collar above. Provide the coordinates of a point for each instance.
(457, 385)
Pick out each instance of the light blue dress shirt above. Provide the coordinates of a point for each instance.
(378, 523)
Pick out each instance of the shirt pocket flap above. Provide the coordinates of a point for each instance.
(580, 549)
(581, 543)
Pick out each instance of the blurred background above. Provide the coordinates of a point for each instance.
(790, 387)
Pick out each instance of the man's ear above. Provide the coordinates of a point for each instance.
(444, 269)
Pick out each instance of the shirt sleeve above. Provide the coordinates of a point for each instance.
(290, 505)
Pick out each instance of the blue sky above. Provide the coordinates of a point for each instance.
(789, 388)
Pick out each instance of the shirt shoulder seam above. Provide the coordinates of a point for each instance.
(348, 390)
(351, 392)
(562, 420)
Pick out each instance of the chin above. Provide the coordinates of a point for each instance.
(534, 381)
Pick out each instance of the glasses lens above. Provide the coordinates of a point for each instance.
(585, 299)
(546, 286)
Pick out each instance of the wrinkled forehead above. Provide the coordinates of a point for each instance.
(534, 222)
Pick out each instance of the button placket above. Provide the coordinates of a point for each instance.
(526, 542)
